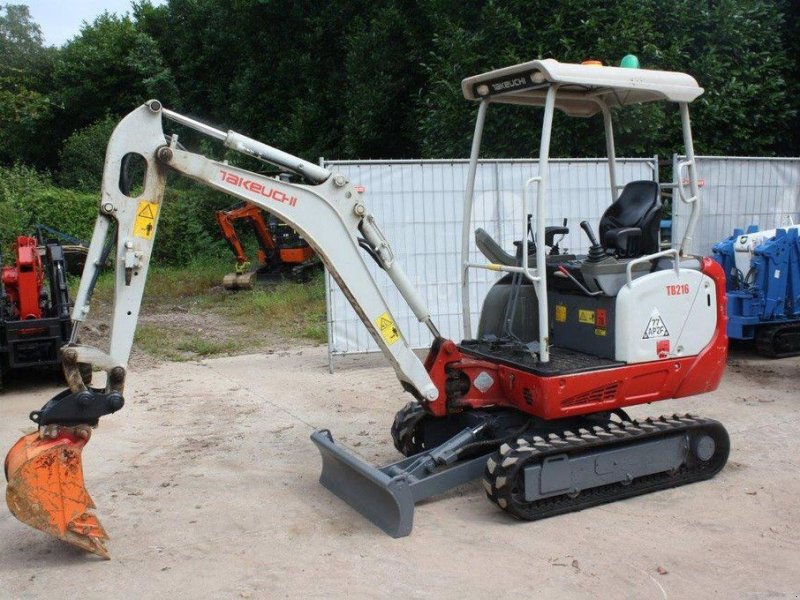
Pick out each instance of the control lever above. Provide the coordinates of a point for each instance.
(563, 270)
(596, 251)
(550, 234)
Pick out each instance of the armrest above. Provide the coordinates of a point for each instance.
(492, 250)
(553, 231)
(624, 240)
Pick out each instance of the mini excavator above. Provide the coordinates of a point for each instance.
(282, 253)
(534, 404)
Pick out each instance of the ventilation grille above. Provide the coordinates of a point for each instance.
(595, 396)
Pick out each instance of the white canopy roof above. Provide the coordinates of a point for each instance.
(581, 88)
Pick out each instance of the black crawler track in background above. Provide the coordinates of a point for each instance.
(779, 341)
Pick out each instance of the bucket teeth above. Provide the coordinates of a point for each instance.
(46, 490)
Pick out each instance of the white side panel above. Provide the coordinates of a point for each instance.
(661, 316)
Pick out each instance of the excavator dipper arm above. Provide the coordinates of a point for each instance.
(44, 472)
(331, 217)
(225, 222)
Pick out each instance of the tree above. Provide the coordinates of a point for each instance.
(358, 79)
(20, 38)
(25, 108)
(381, 66)
(738, 58)
(728, 45)
(108, 69)
(83, 155)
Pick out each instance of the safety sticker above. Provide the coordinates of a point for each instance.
(561, 313)
(586, 316)
(655, 327)
(600, 331)
(483, 382)
(145, 224)
(387, 328)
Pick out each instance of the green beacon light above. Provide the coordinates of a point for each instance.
(629, 61)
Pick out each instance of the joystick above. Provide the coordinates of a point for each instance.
(596, 252)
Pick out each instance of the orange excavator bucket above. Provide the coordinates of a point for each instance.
(45, 487)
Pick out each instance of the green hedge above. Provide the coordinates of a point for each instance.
(187, 230)
(28, 197)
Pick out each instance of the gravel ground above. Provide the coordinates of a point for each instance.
(207, 483)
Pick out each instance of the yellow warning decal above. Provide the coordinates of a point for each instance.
(599, 331)
(145, 224)
(561, 313)
(586, 316)
(387, 328)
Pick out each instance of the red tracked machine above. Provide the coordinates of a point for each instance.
(34, 306)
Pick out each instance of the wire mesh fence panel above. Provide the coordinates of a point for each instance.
(737, 192)
(419, 207)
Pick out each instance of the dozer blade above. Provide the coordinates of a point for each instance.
(46, 490)
(386, 501)
(386, 495)
(264, 277)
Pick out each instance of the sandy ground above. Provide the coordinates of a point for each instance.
(207, 483)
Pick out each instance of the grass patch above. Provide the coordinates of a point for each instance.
(151, 338)
(173, 343)
(212, 321)
(166, 283)
(295, 310)
(170, 283)
(198, 346)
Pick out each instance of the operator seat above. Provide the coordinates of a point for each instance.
(630, 226)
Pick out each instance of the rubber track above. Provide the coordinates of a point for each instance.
(769, 342)
(405, 429)
(504, 475)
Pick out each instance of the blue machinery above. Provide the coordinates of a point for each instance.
(763, 284)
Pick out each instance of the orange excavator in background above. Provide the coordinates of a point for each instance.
(282, 253)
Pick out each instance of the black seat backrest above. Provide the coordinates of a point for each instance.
(639, 205)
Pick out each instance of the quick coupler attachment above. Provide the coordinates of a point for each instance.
(77, 408)
(387, 495)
